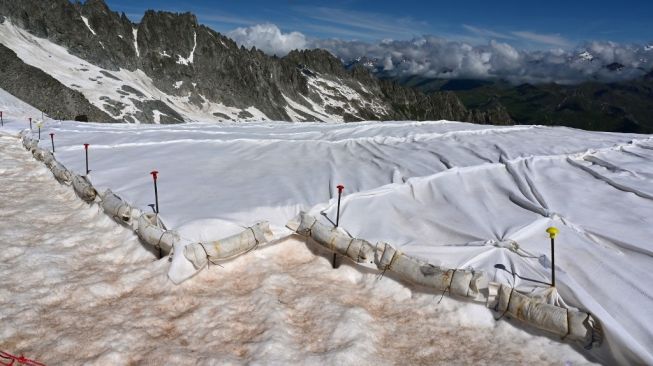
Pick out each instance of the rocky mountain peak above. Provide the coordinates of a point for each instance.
(168, 68)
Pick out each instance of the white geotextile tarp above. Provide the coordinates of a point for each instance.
(482, 197)
(494, 217)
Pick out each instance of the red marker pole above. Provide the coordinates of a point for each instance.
(30, 123)
(335, 256)
(52, 139)
(156, 194)
(86, 151)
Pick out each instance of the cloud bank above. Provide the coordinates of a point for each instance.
(435, 57)
(269, 39)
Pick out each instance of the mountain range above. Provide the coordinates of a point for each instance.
(619, 106)
(83, 61)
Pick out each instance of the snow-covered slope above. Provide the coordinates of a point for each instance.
(456, 194)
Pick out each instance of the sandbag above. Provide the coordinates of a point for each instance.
(119, 210)
(30, 143)
(39, 153)
(201, 253)
(48, 158)
(459, 282)
(84, 188)
(568, 323)
(359, 250)
(61, 173)
(152, 231)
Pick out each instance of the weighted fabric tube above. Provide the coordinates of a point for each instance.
(201, 253)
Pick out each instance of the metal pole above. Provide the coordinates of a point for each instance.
(156, 193)
(340, 187)
(553, 231)
(52, 139)
(553, 263)
(30, 123)
(2, 121)
(86, 151)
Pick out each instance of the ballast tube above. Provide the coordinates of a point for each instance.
(359, 250)
(201, 253)
(84, 188)
(151, 230)
(60, 173)
(568, 323)
(119, 210)
(459, 282)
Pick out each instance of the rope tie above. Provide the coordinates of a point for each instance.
(448, 287)
(507, 305)
(568, 326)
(389, 265)
(349, 245)
(310, 229)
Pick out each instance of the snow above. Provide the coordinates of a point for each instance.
(85, 19)
(178, 84)
(79, 289)
(189, 60)
(586, 56)
(157, 116)
(135, 34)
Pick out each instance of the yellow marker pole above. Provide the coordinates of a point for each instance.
(39, 125)
(553, 231)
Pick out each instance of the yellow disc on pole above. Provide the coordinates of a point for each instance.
(552, 231)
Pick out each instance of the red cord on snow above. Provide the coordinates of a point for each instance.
(17, 360)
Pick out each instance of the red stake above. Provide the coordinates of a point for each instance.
(2, 121)
(86, 151)
(156, 194)
(335, 256)
(52, 139)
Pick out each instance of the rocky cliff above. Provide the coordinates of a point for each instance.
(168, 68)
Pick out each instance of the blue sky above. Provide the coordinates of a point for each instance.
(525, 24)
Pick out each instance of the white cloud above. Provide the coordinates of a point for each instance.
(436, 57)
(269, 39)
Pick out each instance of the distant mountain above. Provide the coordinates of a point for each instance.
(170, 69)
(625, 106)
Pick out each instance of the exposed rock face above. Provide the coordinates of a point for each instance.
(168, 68)
(43, 91)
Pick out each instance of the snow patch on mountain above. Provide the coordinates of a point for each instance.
(586, 56)
(188, 60)
(121, 93)
(135, 33)
(85, 19)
